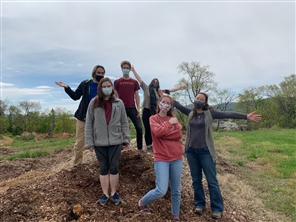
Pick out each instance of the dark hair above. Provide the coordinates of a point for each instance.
(152, 81)
(205, 107)
(125, 62)
(170, 112)
(93, 73)
(99, 100)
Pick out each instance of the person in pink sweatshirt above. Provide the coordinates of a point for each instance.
(166, 135)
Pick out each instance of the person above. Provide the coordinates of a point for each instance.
(126, 88)
(201, 153)
(87, 89)
(167, 148)
(151, 95)
(106, 130)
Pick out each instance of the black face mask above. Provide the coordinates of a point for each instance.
(198, 104)
(98, 78)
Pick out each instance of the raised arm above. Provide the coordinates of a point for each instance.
(137, 96)
(136, 75)
(75, 95)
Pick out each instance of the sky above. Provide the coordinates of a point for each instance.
(244, 43)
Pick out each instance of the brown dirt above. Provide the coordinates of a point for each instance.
(49, 189)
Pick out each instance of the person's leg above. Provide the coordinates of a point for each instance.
(79, 143)
(175, 185)
(145, 118)
(209, 168)
(102, 156)
(161, 170)
(114, 155)
(193, 159)
(132, 114)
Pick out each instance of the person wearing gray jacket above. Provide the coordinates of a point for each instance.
(107, 132)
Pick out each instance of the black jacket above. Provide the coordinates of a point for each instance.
(82, 90)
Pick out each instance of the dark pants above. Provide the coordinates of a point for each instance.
(132, 114)
(108, 157)
(145, 118)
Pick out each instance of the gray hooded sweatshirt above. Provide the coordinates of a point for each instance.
(98, 133)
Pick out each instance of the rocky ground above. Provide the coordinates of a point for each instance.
(50, 189)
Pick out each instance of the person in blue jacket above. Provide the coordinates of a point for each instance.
(201, 153)
(87, 89)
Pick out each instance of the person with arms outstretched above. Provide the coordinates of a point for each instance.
(87, 89)
(201, 152)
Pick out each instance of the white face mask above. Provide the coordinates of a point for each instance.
(164, 107)
(107, 91)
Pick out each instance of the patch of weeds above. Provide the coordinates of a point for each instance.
(27, 154)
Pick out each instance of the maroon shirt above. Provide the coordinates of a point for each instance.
(126, 91)
(108, 111)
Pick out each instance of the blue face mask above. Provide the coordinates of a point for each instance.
(107, 91)
(155, 85)
(125, 71)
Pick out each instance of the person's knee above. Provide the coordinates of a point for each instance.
(104, 170)
(114, 169)
(160, 192)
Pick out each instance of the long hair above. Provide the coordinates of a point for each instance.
(205, 107)
(170, 112)
(99, 100)
(93, 73)
(153, 81)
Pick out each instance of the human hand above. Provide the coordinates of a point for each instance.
(125, 147)
(91, 149)
(132, 69)
(173, 120)
(138, 113)
(61, 84)
(254, 117)
(160, 92)
(182, 87)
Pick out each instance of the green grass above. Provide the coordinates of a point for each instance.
(267, 159)
(27, 154)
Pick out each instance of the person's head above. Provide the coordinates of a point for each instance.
(105, 92)
(165, 104)
(125, 67)
(201, 101)
(98, 73)
(154, 83)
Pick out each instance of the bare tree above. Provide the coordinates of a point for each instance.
(200, 78)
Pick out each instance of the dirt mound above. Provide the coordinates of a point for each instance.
(50, 189)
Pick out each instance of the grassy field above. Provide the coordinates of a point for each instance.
(267, 162)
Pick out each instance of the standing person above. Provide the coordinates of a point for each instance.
(151, 95)
(126, 89)
(87, 89)
(201, 153)
(106, 130)
(166, 134)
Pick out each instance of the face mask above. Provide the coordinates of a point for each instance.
(164, 107)
(125, 72)
(98, 78)
(155, 85)
(198, 104)
(107, 91)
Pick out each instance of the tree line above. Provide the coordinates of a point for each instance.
(276, 103)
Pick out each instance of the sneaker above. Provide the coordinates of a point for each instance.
(176, 218)
(103, 200)
(198, 210)
(216, 215)
(116, 198)
(149, 148)
(143, 208)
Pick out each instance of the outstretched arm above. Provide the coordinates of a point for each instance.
(178, 88)
(75, 95)
(136, 75)
(254, 117)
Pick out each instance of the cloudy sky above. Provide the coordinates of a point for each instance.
(245, 43)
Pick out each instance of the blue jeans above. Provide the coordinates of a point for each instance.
(201, 160)
(165, 172)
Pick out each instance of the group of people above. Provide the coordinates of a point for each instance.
(102, 126)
